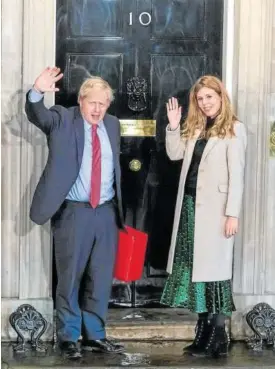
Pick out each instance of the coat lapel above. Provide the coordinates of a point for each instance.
(209, 146)
(79, 133)
(191, 145)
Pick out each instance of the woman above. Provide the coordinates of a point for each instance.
(212, 146)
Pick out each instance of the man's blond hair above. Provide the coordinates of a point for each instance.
(92, 82)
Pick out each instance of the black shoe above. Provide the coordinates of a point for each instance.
(203, 330)
(217, 345)
(104, 345)
(69, 350)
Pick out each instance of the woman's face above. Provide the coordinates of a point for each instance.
(209, 101)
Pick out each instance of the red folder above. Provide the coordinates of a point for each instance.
(130, 254)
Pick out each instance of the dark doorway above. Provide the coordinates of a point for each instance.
(148, 50)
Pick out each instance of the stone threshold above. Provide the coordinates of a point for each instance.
(159, 324)
(151, 324)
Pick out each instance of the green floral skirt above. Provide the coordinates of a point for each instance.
(179, 290)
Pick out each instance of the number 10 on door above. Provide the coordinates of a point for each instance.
(144, 19)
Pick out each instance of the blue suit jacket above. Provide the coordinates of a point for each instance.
(64, 129)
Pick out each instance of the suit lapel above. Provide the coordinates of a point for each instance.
(79, 133)
(110, 131)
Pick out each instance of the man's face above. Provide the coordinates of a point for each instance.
(94, 106)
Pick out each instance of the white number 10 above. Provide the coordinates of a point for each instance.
(141, 18)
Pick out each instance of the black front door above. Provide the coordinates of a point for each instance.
(148, 50)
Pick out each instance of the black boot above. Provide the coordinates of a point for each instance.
(217, 345)
(203, 330)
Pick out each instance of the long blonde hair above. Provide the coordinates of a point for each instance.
(225, 120)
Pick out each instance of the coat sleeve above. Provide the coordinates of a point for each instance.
(236, 153)
(175, 145)
(43, 118)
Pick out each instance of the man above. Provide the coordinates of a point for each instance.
(80, 192)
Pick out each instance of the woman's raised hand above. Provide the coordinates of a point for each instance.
(173, 112)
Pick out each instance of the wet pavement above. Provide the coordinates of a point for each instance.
(139, 355)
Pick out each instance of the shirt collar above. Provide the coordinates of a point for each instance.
(88, 126)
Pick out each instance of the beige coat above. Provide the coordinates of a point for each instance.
(219, 194)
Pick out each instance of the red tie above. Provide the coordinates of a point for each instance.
(96, 168)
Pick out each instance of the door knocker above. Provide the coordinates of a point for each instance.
(137, 89)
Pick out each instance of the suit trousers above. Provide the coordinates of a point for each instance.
(85, 248)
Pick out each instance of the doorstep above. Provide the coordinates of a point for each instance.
(152, 324)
